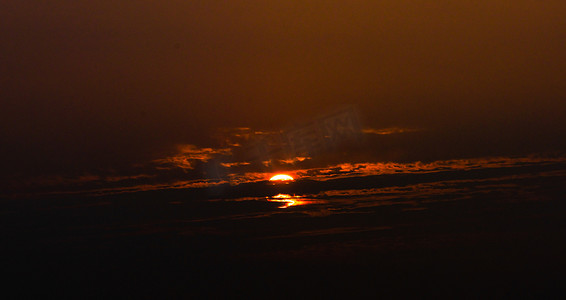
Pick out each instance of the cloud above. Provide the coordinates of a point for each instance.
(383, 168)
(235, 164)
(191, 166)
(294, 160)
(390, 130)
(188, 155)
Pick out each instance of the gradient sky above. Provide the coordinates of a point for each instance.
(101, 84)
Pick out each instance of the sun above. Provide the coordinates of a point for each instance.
(281, 177)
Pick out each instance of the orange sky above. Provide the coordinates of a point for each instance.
(89, 84)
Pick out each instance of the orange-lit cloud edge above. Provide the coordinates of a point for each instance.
(343, 170)
(188, 156)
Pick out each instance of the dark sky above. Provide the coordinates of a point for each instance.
(88, 84)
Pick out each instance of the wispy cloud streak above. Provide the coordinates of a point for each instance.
(390, 130)
(188, 155)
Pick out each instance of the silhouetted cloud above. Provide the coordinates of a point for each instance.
(242, 173)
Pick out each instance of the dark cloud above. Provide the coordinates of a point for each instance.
(203, 175)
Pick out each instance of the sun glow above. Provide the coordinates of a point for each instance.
(281, 177)
(292, 200)
(286, 199)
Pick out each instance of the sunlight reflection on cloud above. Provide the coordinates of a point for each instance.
(189, 154)
(366, 169)
(243, 172)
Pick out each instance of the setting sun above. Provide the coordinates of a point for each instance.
(281, 177)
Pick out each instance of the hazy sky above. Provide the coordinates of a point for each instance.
(104, 83)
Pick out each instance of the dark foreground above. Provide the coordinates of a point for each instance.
(494, 236)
